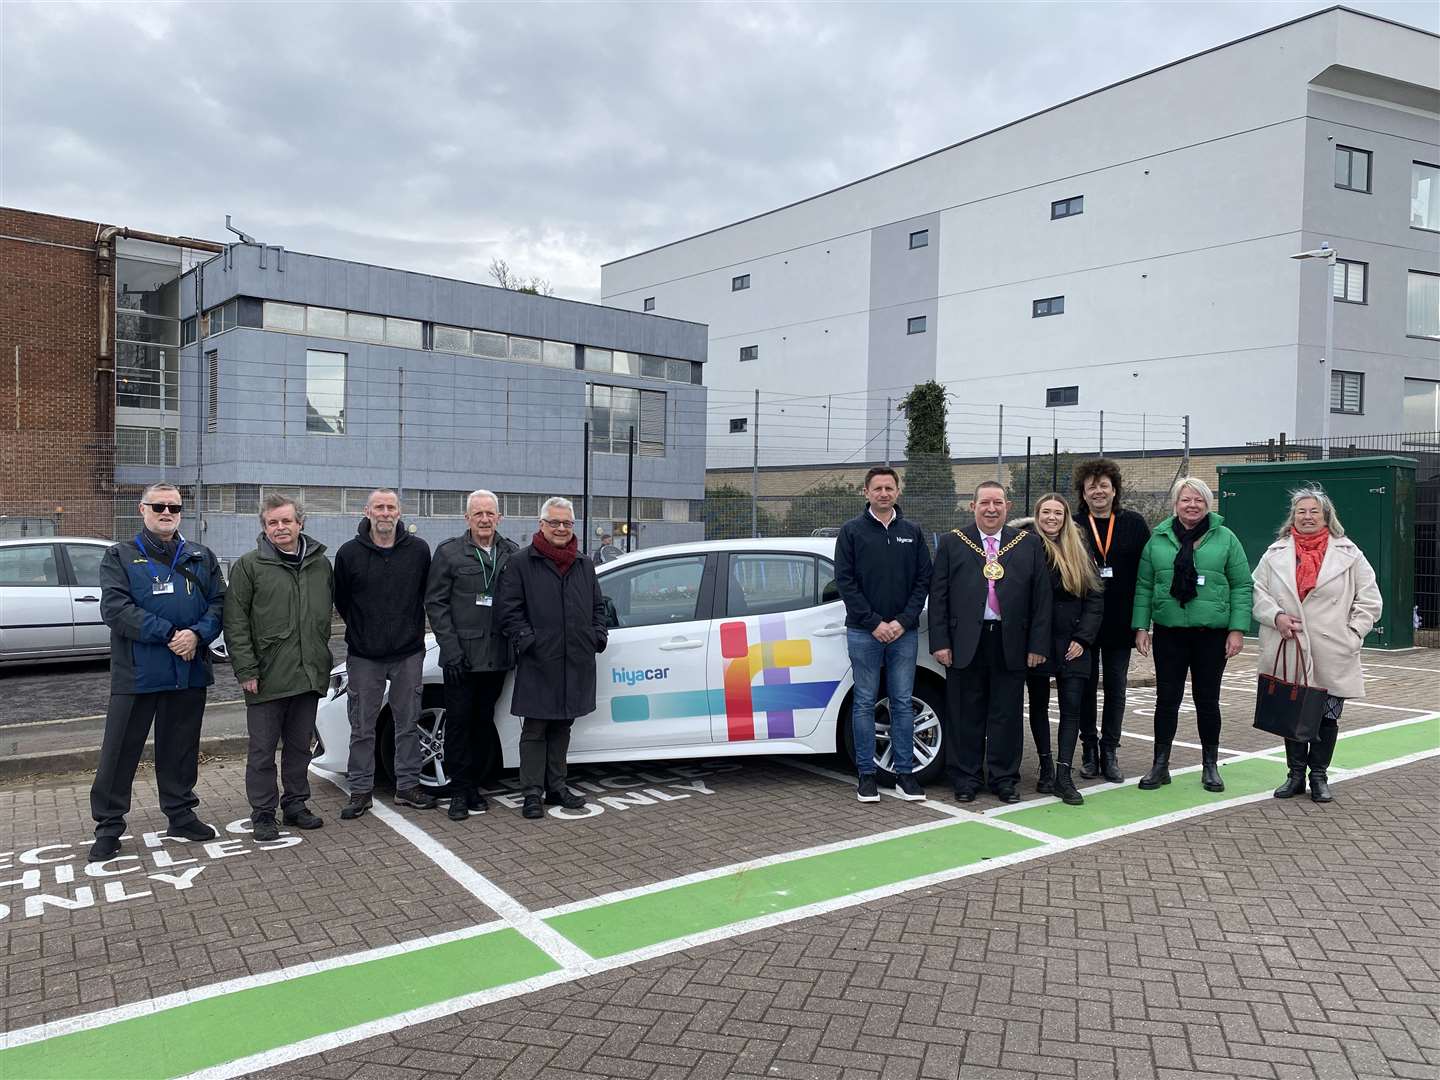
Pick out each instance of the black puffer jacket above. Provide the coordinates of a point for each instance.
(380, 593)
(1074, 618)
(557, 625)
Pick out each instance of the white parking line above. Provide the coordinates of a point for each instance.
(72, 1024)
(245, 1066)
(560, 949)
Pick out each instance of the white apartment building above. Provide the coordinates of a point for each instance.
(1127, 250)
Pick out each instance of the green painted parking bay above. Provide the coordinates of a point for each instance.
(1129, 805)
(634, 923)
(202, 1034)
(1387, 744)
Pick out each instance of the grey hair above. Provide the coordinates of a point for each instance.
(1195, 484)
(159, 485)
(481, 493)
(275, 500)
(382, 491)
(556, 501)
(1327, 510)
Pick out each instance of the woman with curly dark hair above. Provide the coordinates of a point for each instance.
(1115, 538)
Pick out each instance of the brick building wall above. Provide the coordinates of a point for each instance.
(51, 455)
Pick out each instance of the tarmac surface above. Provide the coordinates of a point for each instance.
(748, 918)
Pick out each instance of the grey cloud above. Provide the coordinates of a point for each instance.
(437, 136)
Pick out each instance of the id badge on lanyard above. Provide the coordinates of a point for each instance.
(165, 586)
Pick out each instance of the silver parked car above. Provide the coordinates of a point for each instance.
(50, 601)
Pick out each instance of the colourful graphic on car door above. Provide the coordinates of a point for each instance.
(766, 711)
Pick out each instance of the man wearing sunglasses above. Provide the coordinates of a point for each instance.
(161, 597)
(553, 612)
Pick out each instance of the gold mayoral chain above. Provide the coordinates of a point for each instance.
(992, 569)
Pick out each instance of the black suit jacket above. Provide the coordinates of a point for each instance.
(958, 592)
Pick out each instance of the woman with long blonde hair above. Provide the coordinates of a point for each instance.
(1079, 608)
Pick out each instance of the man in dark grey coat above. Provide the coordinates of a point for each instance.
(552, 609)
(460, 600)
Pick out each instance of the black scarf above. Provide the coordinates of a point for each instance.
(1185, 584)
(164, 548)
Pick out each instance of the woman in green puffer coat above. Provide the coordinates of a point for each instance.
(1195, 588)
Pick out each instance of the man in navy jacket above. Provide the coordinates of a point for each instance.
(882, 569)
(161, 596)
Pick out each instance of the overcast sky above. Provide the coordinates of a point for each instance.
(435, 137)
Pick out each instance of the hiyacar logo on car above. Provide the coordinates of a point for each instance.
(631, 676)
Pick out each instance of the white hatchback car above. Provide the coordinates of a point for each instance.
(717, 649)
(50, 601)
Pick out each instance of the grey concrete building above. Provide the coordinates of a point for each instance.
(324, 379)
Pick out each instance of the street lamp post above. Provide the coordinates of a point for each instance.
(1328, 254)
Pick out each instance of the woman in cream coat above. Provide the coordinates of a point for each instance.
(1314, 584)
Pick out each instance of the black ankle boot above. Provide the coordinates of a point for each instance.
(1089, 759)
(1295, 781)
(1159, 771)
(1109, 767)
(1210, 769)
(1065, 786)
(1320, 786)
(1045, 782)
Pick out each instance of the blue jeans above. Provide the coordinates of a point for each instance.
(898, 658)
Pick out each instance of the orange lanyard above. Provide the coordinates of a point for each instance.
(1104, 548)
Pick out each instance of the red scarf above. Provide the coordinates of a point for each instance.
(562, 557)
(1309, 554)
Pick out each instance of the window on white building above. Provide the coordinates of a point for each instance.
(1424, 196)
(1347, 392)
(919, 238)
(1062, 208)
(1352, 169)
(1422, 304)
(1350, 279)
(915, 324)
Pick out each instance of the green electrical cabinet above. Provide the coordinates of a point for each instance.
(1375, 498)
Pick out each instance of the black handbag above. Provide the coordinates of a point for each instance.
(1291, 710)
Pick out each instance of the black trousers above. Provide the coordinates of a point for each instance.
(1200, 652)
(1071, 696)
(544, 745)
(288, 724)
(472, 745)
(984, 731)
(176, 715)
(1115, 666)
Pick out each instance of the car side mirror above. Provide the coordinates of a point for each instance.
(612, 616)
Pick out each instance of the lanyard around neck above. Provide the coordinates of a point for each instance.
(1104, 548)
(179, 550)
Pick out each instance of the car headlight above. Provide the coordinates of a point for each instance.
(339, 682)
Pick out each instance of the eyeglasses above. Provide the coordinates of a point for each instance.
(165, 508)
(557, 524)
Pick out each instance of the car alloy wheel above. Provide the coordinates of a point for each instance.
(928, 736)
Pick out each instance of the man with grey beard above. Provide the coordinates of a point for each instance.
(380, 593)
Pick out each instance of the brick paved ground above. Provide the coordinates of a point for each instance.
(1277, 940)
(347, 887)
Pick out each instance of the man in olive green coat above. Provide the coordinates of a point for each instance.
(277, 630)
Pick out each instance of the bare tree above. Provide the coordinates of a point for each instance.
(508, 279)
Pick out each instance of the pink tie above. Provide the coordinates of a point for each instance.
(990, 597)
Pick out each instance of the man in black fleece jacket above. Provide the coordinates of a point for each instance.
(882, 569)
(380, 593)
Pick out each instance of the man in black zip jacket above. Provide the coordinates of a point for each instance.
(380, 579)
(882, 569)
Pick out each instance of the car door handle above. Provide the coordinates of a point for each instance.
(681, 643)
(832, 630)
(87, 599)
